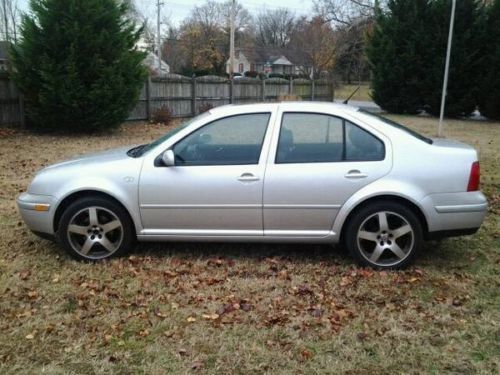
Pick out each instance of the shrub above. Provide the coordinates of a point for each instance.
(276, 75)
(205, 107)
(489, 103)
(77, 64)
(162, 115)
(251, 74)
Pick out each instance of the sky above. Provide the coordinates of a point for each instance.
(177, 10)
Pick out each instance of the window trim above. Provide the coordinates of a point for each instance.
(158, 160)
(344, 152)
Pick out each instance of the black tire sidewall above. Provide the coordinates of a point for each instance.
(360, 215)
(82, 203)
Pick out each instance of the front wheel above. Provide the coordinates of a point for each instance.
(96, 228)
(384, 235)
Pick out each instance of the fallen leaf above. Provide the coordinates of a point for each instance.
(196, 365)
(191, 319)
(30, 336)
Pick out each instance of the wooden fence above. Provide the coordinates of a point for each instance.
(186, 96)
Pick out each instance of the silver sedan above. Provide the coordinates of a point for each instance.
(275, 172)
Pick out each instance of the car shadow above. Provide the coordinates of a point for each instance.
(316, 253)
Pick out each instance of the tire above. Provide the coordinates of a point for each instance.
(390, 243)
(96, 228)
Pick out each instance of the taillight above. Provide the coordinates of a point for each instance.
(474, 177)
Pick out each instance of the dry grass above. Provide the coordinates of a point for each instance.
(237, 308)
(345, 90)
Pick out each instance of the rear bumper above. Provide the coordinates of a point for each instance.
(37, 212)
(455, 212)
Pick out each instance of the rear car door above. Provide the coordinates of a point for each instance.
(317, 161)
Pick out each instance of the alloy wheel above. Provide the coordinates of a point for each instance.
(95, 232)
(385, 238)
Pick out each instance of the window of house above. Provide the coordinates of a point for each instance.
(320, 138)
(235, 140)
(252, 67)
(240, 68)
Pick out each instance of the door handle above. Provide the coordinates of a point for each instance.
(355, 174)
(248, 177)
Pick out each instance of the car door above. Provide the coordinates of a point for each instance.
(216, 185)
(316, 163)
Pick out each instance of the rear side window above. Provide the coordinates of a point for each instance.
(320, 138)
(361, 145)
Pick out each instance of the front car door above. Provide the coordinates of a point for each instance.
(316, 162)
(216, 186)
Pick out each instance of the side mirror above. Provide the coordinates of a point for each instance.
(168, 158)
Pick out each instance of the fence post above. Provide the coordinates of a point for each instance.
(313, 87)
(148, 99)
(193, 95)
(263, 90)
(290, 86)
(231, 91)
(333, 91)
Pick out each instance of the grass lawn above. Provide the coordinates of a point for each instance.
(344, 91)
(240, 308)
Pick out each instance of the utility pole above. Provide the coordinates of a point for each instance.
(158, 33)
(231, 41)
(6, 20)
(446, 68)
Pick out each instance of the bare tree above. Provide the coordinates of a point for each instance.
(10, 19)
(345, 12)
(274, 28)
(313, 44)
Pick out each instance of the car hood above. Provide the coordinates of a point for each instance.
(95, 157)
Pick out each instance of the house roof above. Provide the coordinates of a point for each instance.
(263, 55)
(4, 46)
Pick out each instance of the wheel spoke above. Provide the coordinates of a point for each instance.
(401, 231)
(112, 225)
(87, 246)
(107, 244)
(382, 221)
(78, 229)
(397, 251)
(376, 253)
(369, 236)
(93, 216)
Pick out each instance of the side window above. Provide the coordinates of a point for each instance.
(320, 138)
(235, 140)
(361, 145)
(309, 138)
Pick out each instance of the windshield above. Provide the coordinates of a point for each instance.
(141, 150)
(398, 126)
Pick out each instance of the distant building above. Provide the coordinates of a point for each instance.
(4, 57)
(262, 61)
(151, 62)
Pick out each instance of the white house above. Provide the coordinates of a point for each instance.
(269, 61)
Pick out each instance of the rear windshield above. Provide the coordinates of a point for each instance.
(398, 125)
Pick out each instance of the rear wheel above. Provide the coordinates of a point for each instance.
(96, 228)
(384, 235)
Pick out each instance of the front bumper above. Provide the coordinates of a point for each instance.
(38, 212)
(455, 211)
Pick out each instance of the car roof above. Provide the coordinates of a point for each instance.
(295, 106)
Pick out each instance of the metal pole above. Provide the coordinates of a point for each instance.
(231, 41)
(158, 31)
(446, 68)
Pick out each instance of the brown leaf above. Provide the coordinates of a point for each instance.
(24, 275)
(197, 365)
(306, 354)
(304, 290)
(246, 307)
(362, 336)
(183, 352)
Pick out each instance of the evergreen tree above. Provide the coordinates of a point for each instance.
(490, 87)
(77, 64)
(397, 52)
(465, 62)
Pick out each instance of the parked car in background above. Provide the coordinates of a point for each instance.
(276, 172)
